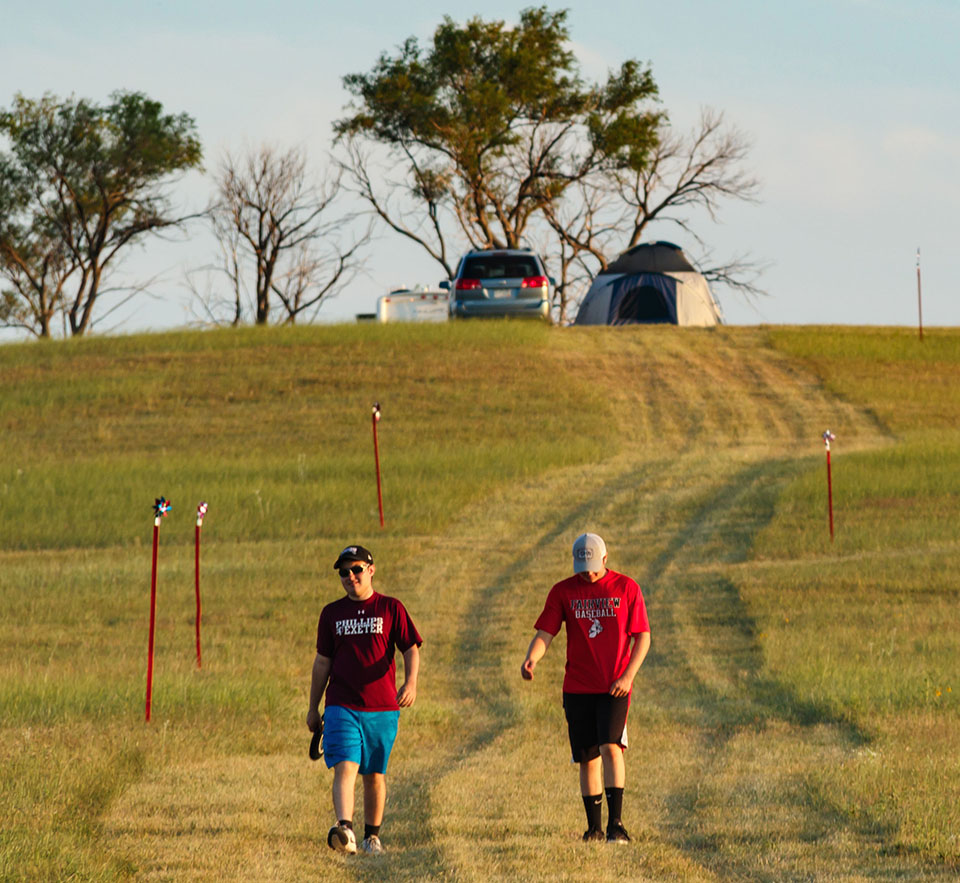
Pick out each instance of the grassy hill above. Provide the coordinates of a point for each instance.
(797, 717)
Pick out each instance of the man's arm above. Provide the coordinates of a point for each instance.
(407, 694)
(623, 684)
(318, 683)
(538, 646)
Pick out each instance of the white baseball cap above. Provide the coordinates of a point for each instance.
(589, 551)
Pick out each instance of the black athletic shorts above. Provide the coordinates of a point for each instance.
(595, 719)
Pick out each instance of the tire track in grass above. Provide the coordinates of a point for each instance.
(777, 375)
(484, 622)
(484, 642)
(751, 728)
(728, 688)
(615, 484)
(722, 649)
(493, 632)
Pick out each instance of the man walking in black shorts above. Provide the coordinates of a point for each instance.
(608, 637)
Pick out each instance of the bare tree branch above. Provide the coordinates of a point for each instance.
(428, 190)
(279, 239)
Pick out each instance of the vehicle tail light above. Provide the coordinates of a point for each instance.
(467, 284)
(534, 282)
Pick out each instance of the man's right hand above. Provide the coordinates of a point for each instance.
(313, 720)
(526, 670)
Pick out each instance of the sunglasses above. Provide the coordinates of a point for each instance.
(356, 570)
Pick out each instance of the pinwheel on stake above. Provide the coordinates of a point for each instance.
(161, 508)
(828, 437)
(201, 511)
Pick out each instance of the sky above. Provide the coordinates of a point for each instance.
(852, 108)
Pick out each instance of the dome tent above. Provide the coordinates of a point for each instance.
(651, 283)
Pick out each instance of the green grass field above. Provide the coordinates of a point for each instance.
(797, 717)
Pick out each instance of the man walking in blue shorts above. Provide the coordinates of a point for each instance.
(357, 638)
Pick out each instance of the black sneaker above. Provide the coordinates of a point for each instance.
(616, 833)
(592, 834)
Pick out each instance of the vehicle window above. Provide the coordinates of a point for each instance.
(500, 267)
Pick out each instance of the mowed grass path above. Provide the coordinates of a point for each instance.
(796, 718)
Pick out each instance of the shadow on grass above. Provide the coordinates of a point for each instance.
(711, 605)
(708, 659)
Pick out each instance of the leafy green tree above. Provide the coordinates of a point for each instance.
(80, 183)
(490, 126)
(34, 263)
(491, 137)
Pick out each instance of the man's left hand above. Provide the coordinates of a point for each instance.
(620, 687)
(406, 696)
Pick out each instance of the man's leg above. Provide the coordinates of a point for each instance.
(591, 790)
(380, 732)
(343, 754)
(591, 781)
(614, 776)
(614, 770)
(612, 727)
(344, 782)
(374, 798)
(580, 711)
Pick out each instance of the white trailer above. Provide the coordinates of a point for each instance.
(406, 305)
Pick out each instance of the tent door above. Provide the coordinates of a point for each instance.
(644, 304)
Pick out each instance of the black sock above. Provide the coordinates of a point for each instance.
(371, 831)
(593, 804)
(345, 823)
(614, 805)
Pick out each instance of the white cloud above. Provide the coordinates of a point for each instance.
(919, 143)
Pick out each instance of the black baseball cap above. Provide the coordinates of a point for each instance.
(353, 553)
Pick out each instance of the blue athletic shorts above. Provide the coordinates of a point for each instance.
(365, 737)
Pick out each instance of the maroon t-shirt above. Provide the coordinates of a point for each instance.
(361, 638)
(601, 618)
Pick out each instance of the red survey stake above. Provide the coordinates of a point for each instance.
(201, 511)
(828, 437)
(161, 508)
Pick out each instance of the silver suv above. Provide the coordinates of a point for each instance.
(500, 282)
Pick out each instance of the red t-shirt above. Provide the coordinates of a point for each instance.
(601, 618)
(361, 638)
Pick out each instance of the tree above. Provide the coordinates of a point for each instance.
(33, 260)
(277, 237)
(489, 127)
(492, 139)
(684, 174)
(79, 185)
